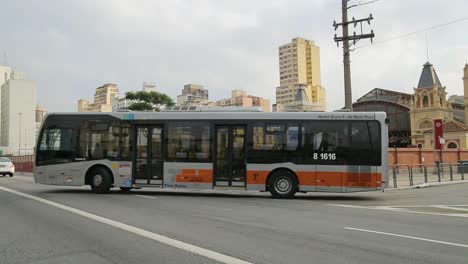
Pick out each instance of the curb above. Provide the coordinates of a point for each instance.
(425, 185)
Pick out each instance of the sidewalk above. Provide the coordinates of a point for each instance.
(426, 185)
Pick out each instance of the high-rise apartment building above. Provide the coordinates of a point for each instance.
(299, 68)
(18, 115)
(103, 99)
(193, 95)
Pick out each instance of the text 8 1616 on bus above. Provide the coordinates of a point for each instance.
(283, 153)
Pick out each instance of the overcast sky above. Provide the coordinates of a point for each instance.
(71, 47)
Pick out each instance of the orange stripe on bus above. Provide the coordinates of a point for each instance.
(194, 175)
(324, 178)
(257, 177)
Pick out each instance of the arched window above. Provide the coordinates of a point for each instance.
(452, 145)
(441, 102)
(425, 124)
(425, 101)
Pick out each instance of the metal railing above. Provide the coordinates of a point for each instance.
(405, 175)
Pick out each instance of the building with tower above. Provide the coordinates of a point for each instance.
(429, 103)
(299, 69)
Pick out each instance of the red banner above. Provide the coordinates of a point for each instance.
(438, 133)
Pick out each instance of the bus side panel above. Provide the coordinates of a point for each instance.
(321, 178)
(67, 174)
(39, 174)
(188, 175)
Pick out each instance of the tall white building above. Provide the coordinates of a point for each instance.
(18, 115)
(149, 86)
(5, 73)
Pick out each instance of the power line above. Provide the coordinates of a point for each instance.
(361, 3)
(414, 32)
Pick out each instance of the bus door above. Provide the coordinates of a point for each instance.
(230, 161)
(148, 162)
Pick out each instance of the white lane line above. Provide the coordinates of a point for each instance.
(410, 237)
(138, 231)
(398, 209)
(145, 196)
(449, 207)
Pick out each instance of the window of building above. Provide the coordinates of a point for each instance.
(452, 145)
(425, 101)
(425, 124)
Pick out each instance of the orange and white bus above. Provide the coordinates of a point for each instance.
(282, 153)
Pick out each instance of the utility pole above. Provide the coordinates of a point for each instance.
(346, 50)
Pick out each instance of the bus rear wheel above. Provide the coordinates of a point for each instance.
(101, 180)
(283, 184)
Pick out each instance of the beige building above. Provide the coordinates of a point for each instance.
(193, 95)
(299, 68)
(103, 99)
(240, 98)
(429, 103)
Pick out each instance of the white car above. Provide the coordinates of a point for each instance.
(6, 167)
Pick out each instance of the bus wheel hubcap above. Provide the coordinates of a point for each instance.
(97, 180)
(283, 185)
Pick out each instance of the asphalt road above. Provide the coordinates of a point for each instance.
(49, 224)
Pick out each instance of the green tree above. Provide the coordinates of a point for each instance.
(148, 101)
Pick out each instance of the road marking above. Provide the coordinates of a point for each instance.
(450, 207)
(405, 209)
(410, 237)
(138, 231)
(145, 196)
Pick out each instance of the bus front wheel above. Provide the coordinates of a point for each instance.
(283, 184)
(101, 180)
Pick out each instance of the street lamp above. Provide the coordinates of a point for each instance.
(19, 135)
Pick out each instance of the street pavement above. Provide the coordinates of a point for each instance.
(51, 224)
